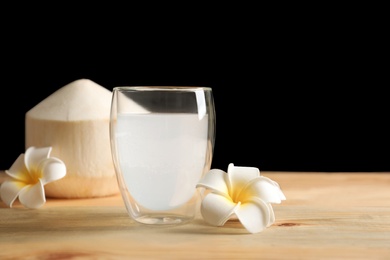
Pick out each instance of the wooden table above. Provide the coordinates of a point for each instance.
(325, 216)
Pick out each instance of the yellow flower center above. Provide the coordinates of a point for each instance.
(34, 177)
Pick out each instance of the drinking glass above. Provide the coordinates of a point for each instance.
(162, 142)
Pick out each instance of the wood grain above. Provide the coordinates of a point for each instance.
(325, 216)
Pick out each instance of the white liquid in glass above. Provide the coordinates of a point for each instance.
(161, 156)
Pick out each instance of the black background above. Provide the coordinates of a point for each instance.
(288, 98)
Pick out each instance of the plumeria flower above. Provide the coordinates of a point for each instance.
(28, 175)
(240, 193)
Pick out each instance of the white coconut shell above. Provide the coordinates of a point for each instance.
(74, 121)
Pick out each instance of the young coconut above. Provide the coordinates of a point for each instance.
(74, 121)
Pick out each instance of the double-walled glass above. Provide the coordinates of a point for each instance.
(162, 141)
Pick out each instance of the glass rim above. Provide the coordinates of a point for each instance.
(161, 88)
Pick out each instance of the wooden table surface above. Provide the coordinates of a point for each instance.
(325, 216)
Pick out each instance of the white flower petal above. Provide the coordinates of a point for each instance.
(10, 190)
(238, 177)
(215, 180)
(271, 215)
(254, 215)
(52, 169)
(32, 196)
(18, 170)
(263, 188)
(217, 209)
(34, 156)
(281, 194)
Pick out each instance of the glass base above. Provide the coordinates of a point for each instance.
(163, 219)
